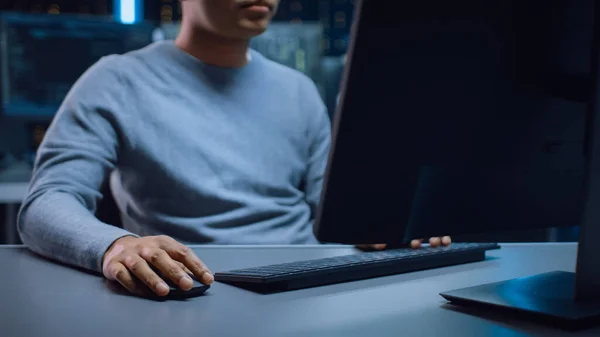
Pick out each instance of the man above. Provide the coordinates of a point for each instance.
(207, 142)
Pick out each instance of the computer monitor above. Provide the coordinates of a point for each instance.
(460, 117)
(41, 57)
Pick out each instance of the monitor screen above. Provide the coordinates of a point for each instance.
(42, 56)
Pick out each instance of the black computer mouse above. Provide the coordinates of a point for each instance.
(175, 292)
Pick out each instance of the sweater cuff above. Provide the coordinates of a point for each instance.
(99, 247)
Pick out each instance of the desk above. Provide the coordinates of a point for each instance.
(11, 195)
(39, 298)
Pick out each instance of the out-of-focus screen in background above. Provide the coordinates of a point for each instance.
(43, 55)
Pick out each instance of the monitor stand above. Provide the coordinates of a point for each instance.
(565, 299)
(547, 298)
(570, 300)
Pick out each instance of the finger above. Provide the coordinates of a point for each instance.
(379, 246)
(416, 243)
(434, 242)
(140, 268)
(182, 266)
(446, 241)
(185, 255)
(118, 272)
(169, 269)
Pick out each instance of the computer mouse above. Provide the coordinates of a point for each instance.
(197, 290)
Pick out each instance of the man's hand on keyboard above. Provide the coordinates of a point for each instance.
(433, 242)
(137, 262)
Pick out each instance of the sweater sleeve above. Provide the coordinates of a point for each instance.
(81, 147)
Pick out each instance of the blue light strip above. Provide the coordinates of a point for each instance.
(128, 11)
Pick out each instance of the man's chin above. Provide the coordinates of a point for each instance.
(254, 28)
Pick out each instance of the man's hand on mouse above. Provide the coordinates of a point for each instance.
(433, 242)
(131, 261)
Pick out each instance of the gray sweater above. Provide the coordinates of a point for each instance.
(193, 151)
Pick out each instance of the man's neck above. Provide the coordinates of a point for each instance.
(212, 49)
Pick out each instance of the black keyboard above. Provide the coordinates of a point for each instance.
(364, 265)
